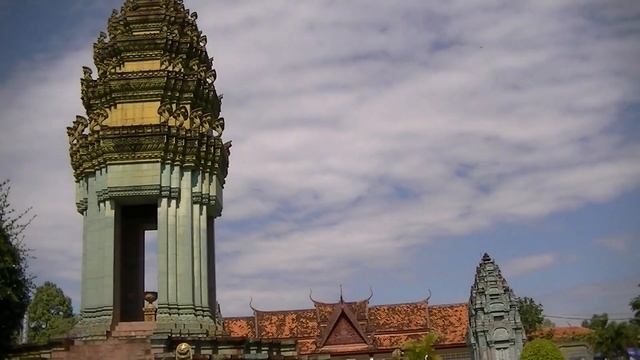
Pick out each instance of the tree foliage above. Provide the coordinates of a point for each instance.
(50, 313)
(635, 306)
(541, 349)
(15, 283)
(530, 314)
(421, 349)
(611, 338)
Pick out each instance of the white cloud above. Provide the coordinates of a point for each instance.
(528, 264)
(359, 136)
(584, 300)
(617, 244)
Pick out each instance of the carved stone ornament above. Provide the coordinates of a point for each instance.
(76, 131)
(218, 126)
(195, 119)
(86, 73)
(96, 119)
(181, 115)
(165, 111)
(184, 352)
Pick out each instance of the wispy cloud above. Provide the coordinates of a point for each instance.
(528, 264)
(610, 297)
(618, 244)
(362, 135)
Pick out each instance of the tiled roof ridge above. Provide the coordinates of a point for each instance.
(449, 305)
(423, 301)
(282, 311)
(370, 306)
(237, 317)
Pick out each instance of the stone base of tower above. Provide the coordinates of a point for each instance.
(194, 326)
(92, 328)
(135, 342)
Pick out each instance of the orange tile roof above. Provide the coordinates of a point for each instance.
(399, 317)
(562, 333)
(450, 322)
(240, 326)
(287, 324)
(570, 331)
(387, 326)
(306, 346)
(394, 341)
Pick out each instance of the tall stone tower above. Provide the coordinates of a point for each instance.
(149, 155)
(496, 332)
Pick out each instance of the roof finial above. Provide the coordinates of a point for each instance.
(251, 305)
(341, 298)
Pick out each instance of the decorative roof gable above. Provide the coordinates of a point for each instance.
(343, 329)
(352, 327)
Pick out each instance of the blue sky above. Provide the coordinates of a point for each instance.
(375, 144)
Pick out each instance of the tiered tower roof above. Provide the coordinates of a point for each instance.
(154, 95)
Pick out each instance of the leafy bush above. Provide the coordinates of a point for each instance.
(15, 282)
(421, 349)
(541, 349)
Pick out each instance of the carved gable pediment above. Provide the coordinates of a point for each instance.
(344, 332)
(343, 329)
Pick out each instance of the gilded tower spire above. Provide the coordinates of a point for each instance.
(149, 155)
(152, 69)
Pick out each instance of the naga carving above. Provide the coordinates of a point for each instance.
(165, 111)
(218, 126)
(86, 73)
(115, 26)
(96, 119)
(181, 115)
(76, 130)
(195, 119)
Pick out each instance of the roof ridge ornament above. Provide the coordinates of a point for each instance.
(370, 294)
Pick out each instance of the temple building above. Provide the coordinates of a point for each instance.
(357, 329)
(488, 327)
(150, 155)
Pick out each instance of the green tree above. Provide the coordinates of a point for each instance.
(635, 306)
(421, 349)
(530, 314)
(541, 349)
(50, 313)
(15, 283)
(611, 338)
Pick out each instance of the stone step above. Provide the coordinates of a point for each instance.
(134, 329)
(116, 349)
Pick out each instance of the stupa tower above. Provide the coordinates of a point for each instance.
(495, 328)
(149, 155)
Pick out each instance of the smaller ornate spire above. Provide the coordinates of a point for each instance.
(496, 331)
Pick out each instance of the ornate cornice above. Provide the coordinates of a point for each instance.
(197, 146)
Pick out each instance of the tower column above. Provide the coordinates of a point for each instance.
(184, 249)
(144, 158)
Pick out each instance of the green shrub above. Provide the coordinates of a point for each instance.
(541, 349)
